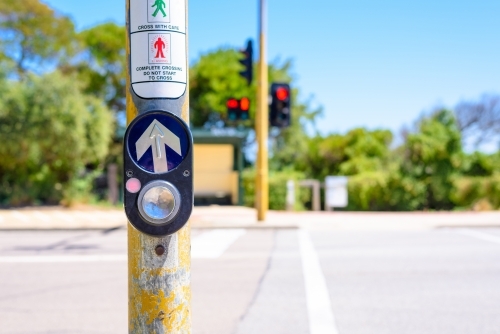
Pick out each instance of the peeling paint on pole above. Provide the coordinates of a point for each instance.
(159, 283)
(159, 286)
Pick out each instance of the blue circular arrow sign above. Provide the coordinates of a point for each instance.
(158, 141)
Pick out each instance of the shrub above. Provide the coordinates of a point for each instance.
(470, 191)
(49, 132)
(277, 189)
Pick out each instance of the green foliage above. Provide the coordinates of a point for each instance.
(426, 172)
(50, 132)
(213, 79)
(33, 36)
(365, 151)
(277, 189)
(384, 191)
(102, 68)
(470, 192)
(406, 193)
(79, 188)
(434, 156)
(358, 151)
(289, 144)
(481, 164)
(368, 191)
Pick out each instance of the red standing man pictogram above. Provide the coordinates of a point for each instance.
(159, 46)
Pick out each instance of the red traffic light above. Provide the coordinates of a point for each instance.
(232, 103)
(280, 106)
(244, 104)
(282, 93)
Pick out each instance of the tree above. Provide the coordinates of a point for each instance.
(49, 132)
(101, 64)
(434, 157)
(358, 151)
(288, 145)
(479, 121)
(33, 37)
(213, 79)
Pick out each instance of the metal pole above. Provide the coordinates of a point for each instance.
(316, 188)
(262, 121)
(290, 195)
(159, 290)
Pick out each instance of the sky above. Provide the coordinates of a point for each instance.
(374, 64)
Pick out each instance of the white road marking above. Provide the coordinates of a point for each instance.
(63, 258)
(321, 319)
(211, 245)
(480, 235)
(19, 216)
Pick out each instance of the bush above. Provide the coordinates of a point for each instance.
(277, 189)
(385, 191)
(367, 191)
(49, 132)
(475, 192)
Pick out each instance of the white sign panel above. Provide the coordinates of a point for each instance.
(158, 57)
(336, 191)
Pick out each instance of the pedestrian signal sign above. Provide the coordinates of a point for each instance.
(158, 11)
(158, 142)
(159, 49)
(160, 6)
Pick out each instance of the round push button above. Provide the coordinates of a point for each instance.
(159, 202)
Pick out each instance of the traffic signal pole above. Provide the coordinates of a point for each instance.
(262, 121)
(159, 261)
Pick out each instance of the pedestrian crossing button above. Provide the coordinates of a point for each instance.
(159, 202)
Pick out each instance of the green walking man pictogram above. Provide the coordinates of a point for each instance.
(159, 4)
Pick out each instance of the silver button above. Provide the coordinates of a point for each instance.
(159, 202)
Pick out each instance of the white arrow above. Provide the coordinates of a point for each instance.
(157, 136)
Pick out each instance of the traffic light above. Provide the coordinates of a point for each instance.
(247, 61)
(238, 109)
(280, 109)
(233, 109)
(244, 108)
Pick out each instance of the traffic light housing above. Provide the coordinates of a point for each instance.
(280, 109)
(247, 62)
(233, 109)
(244, 108)
(238, 109)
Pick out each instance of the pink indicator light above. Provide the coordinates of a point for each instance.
(133, 185)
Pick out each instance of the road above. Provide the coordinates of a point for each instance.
(273, 281)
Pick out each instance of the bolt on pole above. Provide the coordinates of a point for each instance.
(262, 121)
(159, 240)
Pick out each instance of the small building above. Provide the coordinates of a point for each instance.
(218, 163)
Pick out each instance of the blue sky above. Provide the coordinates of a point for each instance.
(368, 63)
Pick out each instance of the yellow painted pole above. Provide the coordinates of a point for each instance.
(159, 269)
(262, 121)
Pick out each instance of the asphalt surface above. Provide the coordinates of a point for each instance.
(366, 281)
